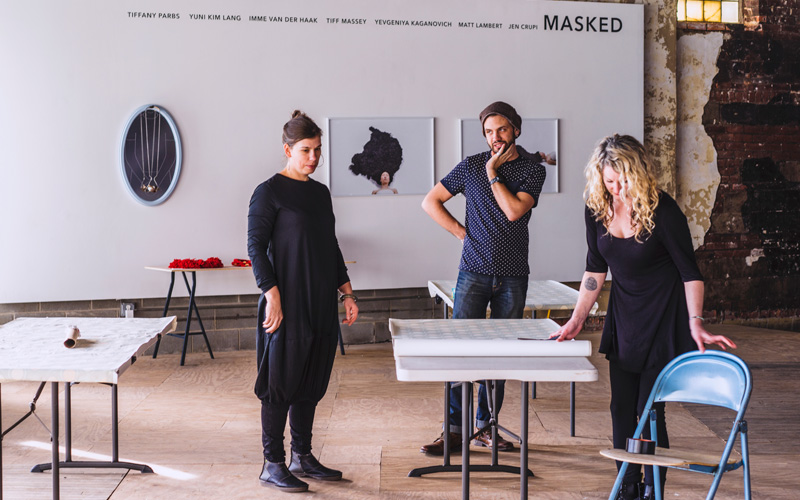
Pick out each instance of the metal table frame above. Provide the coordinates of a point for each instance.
(56, 464)
(441, 297)
(538, 368)
(467, 437)
(68, 463)
(192, 307)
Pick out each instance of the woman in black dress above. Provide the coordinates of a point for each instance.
(656, 302)
(298, 265)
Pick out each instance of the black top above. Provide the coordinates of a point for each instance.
(647, 323)
(292, 245)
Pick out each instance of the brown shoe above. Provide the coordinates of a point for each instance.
(485, 439)
(436, 448)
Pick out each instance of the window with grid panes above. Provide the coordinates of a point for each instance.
(710, 11)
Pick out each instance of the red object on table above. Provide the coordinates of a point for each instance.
(241, 263)
(211, 262)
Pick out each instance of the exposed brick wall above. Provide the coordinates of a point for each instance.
(751, 254)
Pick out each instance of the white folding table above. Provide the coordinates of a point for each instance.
(32, 349)
(468, 350)
(543, 295)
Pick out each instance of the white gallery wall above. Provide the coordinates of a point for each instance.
(73, 73)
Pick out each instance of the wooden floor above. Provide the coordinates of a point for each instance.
(198, 427)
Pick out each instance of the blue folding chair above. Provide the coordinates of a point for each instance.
(712, 378)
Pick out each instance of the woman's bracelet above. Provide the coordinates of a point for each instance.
(702, 319)
(348, 296)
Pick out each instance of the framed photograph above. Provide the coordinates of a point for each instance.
(380, 156)
(538, 135)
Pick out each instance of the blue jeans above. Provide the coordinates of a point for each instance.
(474, 293)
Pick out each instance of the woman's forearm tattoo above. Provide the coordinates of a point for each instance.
(590, 283)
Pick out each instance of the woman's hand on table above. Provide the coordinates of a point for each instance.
(569, 331)
(273, 315)
(351, 311)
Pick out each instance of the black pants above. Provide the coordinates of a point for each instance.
(629, 393)
(273, 423)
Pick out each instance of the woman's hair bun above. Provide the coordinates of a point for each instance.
(298, 128)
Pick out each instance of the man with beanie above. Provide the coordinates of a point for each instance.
(501, 186)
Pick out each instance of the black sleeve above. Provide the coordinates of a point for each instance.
(534, 182)
(673, 231)
(341, 269)
(260, 221)
(595, 263)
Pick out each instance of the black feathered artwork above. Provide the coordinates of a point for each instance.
(382, 153)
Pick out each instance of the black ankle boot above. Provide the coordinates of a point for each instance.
(628, 491)
(278, 476)
(308, 466)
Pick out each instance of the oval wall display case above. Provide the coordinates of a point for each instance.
(150, 155)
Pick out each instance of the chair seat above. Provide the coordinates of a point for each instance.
(669, 457)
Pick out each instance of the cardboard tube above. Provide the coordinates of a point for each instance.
(72, 337)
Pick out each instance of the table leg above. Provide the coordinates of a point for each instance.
(523, 452)
(193, 307)
(495, 420)
(447, 467)
(188, 312)
(67, 422)
(54, 437)
(1, 451)
(341, 340)
(114, 424)
(68, 463)
(446, 425)
(199, 319)
(572, 409)
(466, 430)
(166, 310)
(495, 423)
(492, 393)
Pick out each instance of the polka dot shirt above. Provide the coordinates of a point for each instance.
(494, 245)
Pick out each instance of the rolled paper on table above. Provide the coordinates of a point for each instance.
(641, 446)
(72, 337)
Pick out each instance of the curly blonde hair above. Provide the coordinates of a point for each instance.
(627, 157)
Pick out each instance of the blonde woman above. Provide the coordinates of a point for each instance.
(656, 302)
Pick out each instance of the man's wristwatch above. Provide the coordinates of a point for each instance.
(348, 296)
(496, 178)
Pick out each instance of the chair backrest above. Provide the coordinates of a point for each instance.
(714, 378)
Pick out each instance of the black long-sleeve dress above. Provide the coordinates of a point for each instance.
(647, 323)
(292, 245)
